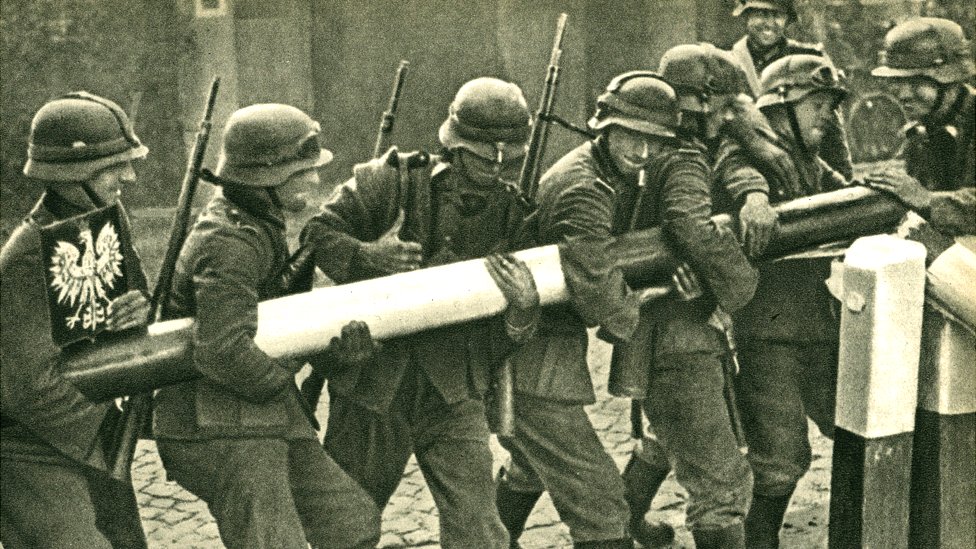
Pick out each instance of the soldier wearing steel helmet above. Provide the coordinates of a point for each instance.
(788, 333)
(929, 65)
(765, 42)
(715, 114)
(591, 194)
(423, 395)
(56, 491)
(239, 437)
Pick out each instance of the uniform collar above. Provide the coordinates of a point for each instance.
(256, 201)
(606, 166)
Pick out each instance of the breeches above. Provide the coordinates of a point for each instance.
(780, 385)
(555, 449)
(687, 411)
(46, 505)
(451, 446)
(274, 493)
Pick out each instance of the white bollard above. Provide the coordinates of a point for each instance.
(882, 290)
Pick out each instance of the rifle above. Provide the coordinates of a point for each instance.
(138, 408)
(503, 420)
(529, 177)
(389, 116)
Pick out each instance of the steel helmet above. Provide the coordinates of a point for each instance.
(640, 101)
(266, 144)
(926, 46)
(78, 134)
(702, 70)
(793, 77)
(489, 117)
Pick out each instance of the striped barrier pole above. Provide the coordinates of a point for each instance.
(882, 291)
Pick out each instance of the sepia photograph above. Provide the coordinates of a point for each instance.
(494, 274)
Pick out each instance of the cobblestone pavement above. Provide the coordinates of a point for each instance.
(174, 518)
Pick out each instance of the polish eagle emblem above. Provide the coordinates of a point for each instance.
(85, 270)
(83, 278)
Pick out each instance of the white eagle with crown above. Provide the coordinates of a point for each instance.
(82, 279)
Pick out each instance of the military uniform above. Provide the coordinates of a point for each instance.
(555, 448)
(423, 394)
(56, 491)
(788, 333)
(238, 437)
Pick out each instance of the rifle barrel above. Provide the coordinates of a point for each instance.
(389, 116)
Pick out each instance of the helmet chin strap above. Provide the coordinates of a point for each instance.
(92, 195)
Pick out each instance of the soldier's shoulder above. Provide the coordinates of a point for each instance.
(23, 244)
(576, 171)
(795, 47)
(224, 222)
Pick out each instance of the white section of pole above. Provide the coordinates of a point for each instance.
(392, 306)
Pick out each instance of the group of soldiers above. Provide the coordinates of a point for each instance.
(707, 132)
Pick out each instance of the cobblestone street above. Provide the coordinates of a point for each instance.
(174, 518)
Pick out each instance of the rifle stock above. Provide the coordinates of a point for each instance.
(138, 408)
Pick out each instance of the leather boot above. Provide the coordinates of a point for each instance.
(514, 509)
(764, 520)
(622, 543)
(730, 537)
(641, 483)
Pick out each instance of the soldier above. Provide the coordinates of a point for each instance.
(710, 87)
(928, 62)
(788, 334)
(423, 394)
(592, 193)
(56, 491)
(765, 42)
(239, 437)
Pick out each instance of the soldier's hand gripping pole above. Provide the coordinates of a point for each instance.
(138, 408)
(389, 116)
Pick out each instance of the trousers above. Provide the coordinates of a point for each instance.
(556, 450)
(63, 505)
(274, 493)
(780, 385)
(687, 411)
(451, 443)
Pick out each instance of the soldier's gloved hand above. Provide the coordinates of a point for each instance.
(758, 222)
(514, 279)
(389, 254)
(355, 345)
(902, 186)
(127, 311)
(686, 283)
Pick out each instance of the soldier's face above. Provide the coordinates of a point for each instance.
(108, 182)
(918, 95)
(294, 190)
(765, 27)
(631, 150)
(487, 172)
(813, 114)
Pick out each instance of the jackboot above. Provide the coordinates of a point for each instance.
(730, 537)
(641, 483)
(514, 509)
(764, 520)
(622, 543)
